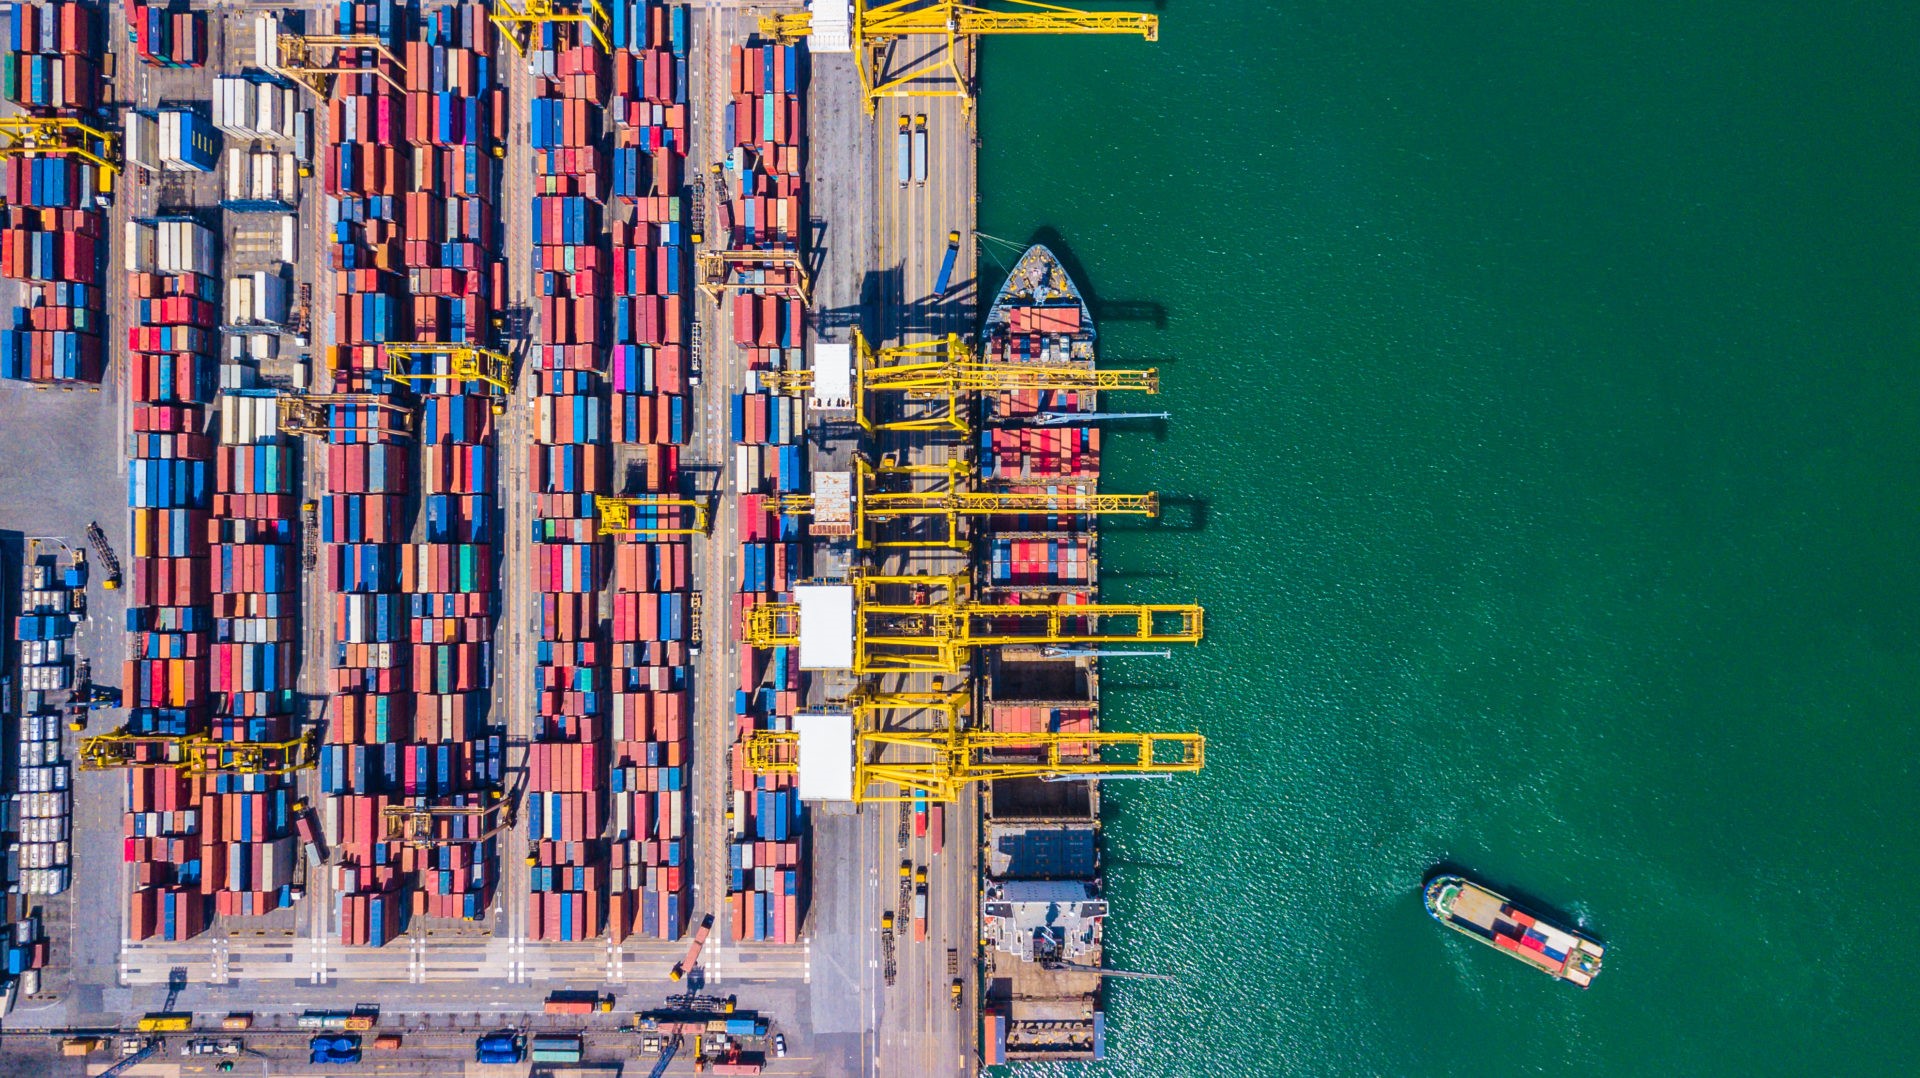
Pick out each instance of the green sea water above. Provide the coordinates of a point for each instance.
(1545, 453)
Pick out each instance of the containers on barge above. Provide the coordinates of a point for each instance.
(1473, 910)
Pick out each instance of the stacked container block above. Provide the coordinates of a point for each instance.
(455, 757)
(51, 60)
(52, 228)
(650, 857)
(248, 844)
(365, 515)
(166, 684)
(566, 801)
(168, 34)
(766, 889)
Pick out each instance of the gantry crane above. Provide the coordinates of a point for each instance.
(516, 23)
(716, 272)
(935, 634)
(298, 55)
(874, 27)
(419, 825)
(198, 754)
(946, 369)
(938, 762)
(846, 502)
(307, 413)
(667, 515)
(465, 363)
(63, 135)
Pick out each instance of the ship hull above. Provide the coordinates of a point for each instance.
(1493, 919)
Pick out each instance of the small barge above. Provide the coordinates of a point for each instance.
(1473, 910)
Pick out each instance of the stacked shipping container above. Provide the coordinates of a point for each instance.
(179, 837)
(765, 890)
(248, 846)
(50, 59)
(454, 759)
(364, 517)
(566, 800)
(650, 869)
(51, 225)
(169, 34)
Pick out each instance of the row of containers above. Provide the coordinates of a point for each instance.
(199, 846)
(412, 764)
(37, 821)
(608, 808)
(651, 623)
(53, 224)
(769, 848)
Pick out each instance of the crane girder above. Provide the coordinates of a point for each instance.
(512, 21)
(307, 413)
(418, 825)
(947, 759)
(938, 635)
(62, 135)
(616, 515)
(946, 369)
(465, 363)
(873, 27)
(198, 754)
(716, 272)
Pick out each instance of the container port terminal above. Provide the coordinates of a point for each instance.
(556, 555)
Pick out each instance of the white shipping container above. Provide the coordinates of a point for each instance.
(42, 881)
(43, 805)
(239, 300)
(263, 345)
(266, 41)
(289, 238)
(142, 245)
(141, 138)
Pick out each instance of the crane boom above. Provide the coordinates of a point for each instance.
(872, 27)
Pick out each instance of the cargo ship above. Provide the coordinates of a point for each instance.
(1039, 303)
(1473, 910)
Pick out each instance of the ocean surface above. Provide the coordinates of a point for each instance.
(1545, 451)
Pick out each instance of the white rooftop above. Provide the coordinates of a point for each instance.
(830, 32)
(826, 757)
(832, 371)
(826, 626)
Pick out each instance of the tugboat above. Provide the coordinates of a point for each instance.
(1490, 917)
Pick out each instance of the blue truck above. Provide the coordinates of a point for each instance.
(334, 1048)
(945, 280)
(503, 1047)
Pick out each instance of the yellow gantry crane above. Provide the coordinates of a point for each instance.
(846, 503)
(198, 754)
(299, 55)
(663, 514)
(894, 764)
(62, 135)
(938, 626)
(517, 24)
(946, 369)
(717, 268)
(432, 825)
(307, 413)
(465, 363)
(873, 28)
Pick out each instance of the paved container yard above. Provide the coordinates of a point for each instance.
(874, 247)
